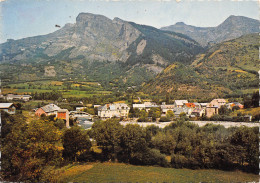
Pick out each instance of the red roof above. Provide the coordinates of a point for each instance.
(190, 105)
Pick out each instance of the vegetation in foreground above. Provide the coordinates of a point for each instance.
(119, 172)
(33, 151)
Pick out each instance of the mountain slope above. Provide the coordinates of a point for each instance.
(229, 68)
(78, 50)
(233, 27)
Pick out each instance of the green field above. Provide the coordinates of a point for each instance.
(68, 88)
(117, 172)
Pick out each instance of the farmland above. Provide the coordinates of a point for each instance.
(68, 88)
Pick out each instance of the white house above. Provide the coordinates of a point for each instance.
(113, 110)
(139, 106)
(18, 97)
(180, 103)
(8, 107)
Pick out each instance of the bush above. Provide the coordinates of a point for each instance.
(151, 157)
(60, 123)
(164, 119)
(180, 161)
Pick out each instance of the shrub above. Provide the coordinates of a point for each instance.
(164, 119)
(151, 157)
(180, 161)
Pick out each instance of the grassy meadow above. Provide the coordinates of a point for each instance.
(118, 172)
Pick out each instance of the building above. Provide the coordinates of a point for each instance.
(189, 107)
(167, 107)
(177, 111)
(139, 106)
(213, 107)
(18, 97)
(198, 112)
(180, 103)
(64, 114)
(203, 105)
(218, 102)
(8, 107)
(113, 110)
(233, 104)
(47, 110)
(146, 105)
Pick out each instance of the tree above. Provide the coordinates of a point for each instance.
(134, 112)
(255, 99)
(60, 123)
(154, 112)
(108, 135)
(29, 148)
(246, 141)
(143, 116)
(223, 110)
(170, 114)
(75, 143)
(133, 143)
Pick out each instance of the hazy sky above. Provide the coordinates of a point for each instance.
(25, 18)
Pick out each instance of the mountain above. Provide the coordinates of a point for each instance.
(83, 48)
(227, 69)
(233, 27)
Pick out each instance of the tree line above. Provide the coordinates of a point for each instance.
(32, 151)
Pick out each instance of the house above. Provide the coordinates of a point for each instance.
(8, 107)
(18, 97)
(189, 107)
(177, 111)
(149, 105)
(197, 105)
(64, 114)
(96, 106)
(167, 107)
(218, 102)
(233, 104)
(139, 106)
(180, 103)
(198, 112)
(113, 110)
(146, 105)
(213, 106)
(203, 105)
(211, 110)
(47, 110)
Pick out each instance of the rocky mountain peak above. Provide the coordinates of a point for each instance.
(180, 23)
(85, 17)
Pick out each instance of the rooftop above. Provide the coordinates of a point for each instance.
(5, 105)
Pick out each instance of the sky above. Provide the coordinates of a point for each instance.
(26, 18)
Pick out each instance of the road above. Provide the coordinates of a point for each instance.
(226, 124)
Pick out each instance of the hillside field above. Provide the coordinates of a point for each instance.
(118, 172)
(67, 88)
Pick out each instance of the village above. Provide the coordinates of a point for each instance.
(138, 112)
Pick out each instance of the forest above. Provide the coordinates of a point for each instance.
(31, 151)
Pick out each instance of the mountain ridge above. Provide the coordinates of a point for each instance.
(96, 38)
(231, 28)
